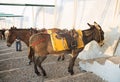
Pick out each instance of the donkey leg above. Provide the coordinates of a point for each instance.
(36, 70)
(61, 57)
(35, 60)
(30, 55)
(71, 64)
(41, 59)
(72, 61)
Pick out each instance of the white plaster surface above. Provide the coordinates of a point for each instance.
(109, 71)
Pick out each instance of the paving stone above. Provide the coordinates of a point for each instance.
(14, 68)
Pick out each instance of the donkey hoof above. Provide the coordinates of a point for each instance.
(71, 72)
(38, 73)
(30, 62)
(45, 76)
(63, 59)
(58, 59)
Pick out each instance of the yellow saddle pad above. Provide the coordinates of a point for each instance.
(61, 44)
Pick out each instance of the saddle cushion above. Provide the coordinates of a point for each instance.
(61, 44)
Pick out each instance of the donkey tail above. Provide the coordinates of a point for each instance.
(31, 55)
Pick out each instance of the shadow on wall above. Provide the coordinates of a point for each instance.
(22, 19)
(111, 40)
(93, 50)
(37, 16)
(52, 12)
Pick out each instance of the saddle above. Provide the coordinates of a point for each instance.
(70, 36)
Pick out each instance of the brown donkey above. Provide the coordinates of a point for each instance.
(41, 46)
(24, 35)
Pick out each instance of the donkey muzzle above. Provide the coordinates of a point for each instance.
(101, 43)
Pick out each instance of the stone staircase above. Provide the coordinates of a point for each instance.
(107, 68)
(14, 68)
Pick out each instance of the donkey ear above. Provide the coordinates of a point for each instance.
(97, 25)
(95, 22)
(89, 24)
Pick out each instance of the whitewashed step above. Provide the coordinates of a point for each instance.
(107, 68)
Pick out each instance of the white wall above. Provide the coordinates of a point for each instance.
(108, 71)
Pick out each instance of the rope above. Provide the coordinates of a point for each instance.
(116, 12)
(5, 23)
(116, 46)
(43, 17)
(55, 14)
(33, 15)
(75, 13)
(22, 18)
(117, 8)
(13, 21)
(105, 11)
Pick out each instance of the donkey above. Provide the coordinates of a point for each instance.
(40, 46)
(24, 35)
